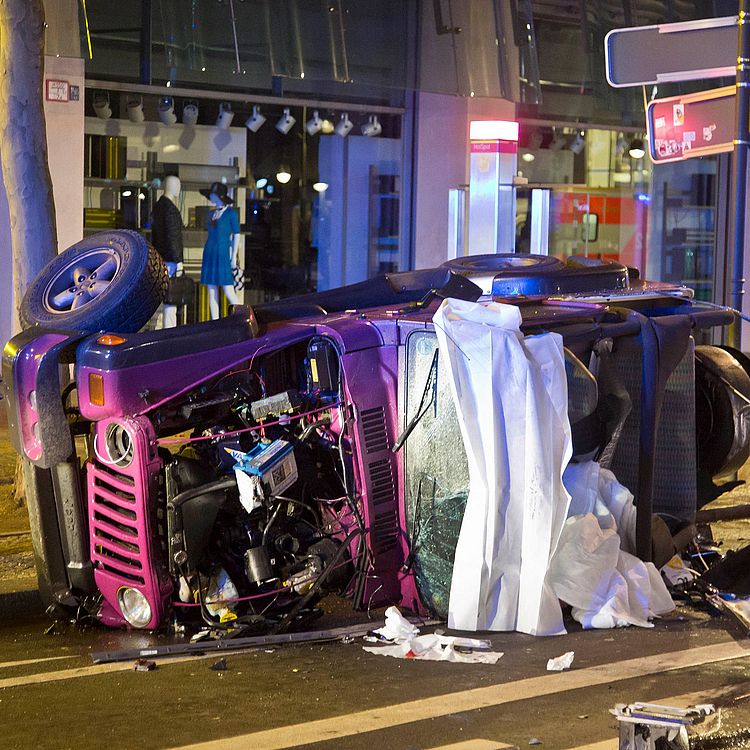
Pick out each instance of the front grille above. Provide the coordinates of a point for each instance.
(116, 542)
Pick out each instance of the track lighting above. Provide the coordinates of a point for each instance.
(283, 175)
(286, 122)
(636, 149)
(344, 125)
(101, 105)
(314, 124)
(190, 114)
(135, 107)
(372, 127)
(226, 115)
(577, 144)
(166, 111)
(255, 121)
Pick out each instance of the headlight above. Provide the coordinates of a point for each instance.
(134, 607)
(119, 445)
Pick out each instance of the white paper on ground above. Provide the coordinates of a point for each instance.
(605, 585)
(438, 648)
(510, 394)
(397, 627)
(559, 663)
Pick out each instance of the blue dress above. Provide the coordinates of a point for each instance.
(216, 267)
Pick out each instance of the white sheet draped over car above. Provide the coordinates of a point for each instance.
(516, 556)
(511, 400)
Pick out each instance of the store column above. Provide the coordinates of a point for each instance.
(492, 204)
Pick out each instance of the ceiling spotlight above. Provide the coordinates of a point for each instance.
(577, 144)
(190, 114)
(320, 187)
(327, 128)
(636, 149)
(286, 122)
(558, 141)
(314, 124)
(372, 127)
(135, 107)
(166, 111)
(528, 156)
(283, 175)
(261, 183)
(101, 105)
(255, 121)
(344, 125)
(224, 120)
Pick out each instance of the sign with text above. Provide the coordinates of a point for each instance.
(686, 51)
(682, 127)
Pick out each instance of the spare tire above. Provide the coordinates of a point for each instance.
(110, 281)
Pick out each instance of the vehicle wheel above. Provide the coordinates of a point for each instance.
(110, 281)
(497, 263)
(721, 389)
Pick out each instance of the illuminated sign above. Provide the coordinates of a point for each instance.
(493, 130)
(682, 127)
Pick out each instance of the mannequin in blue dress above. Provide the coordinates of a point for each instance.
(220, 250)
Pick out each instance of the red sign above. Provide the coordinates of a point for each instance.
(57, 91)
(682, 127)
(494, 147)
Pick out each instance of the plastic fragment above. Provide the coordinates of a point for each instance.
(559, 663)
(535, 741)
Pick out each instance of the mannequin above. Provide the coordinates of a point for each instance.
(166, 237)
(220, 251)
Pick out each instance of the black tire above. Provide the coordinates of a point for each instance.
(504, 262)
(721, 449)
(110, 281)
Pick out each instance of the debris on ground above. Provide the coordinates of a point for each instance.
(650, 725)
(404, 642)
(219, 666)
(144, 665)
(535, 741)
(559, 663)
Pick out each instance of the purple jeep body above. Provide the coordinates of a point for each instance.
(101, 524)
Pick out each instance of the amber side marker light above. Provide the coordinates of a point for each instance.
(96, 389)
(110, 339)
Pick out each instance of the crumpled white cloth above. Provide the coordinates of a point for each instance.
(592, 569)
(438, 648)
(510, 393)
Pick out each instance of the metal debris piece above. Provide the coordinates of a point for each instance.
(648, 726)
(535, 741)
(144, 665)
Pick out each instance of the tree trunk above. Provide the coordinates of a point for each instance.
(23, 148)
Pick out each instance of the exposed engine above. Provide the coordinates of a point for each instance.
(247, 541)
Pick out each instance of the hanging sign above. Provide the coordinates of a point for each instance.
(681, 127)
(686, 51)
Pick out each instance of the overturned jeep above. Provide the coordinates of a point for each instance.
(233, 472)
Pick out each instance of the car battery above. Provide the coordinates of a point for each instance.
(273, 463)
(324, 365)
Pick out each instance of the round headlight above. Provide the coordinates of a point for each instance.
(134, 607)
(119, 445)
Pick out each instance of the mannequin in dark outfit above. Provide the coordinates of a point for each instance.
(166, 237)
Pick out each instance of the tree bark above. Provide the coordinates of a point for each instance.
(23, 150)
(23, 143)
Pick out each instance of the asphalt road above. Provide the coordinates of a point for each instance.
(334, 696)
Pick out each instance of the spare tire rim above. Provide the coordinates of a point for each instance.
(80, 281)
